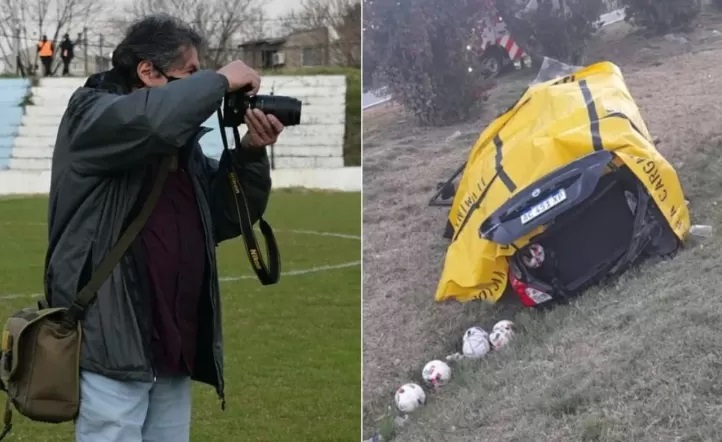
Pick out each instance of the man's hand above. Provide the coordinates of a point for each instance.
(263, 130)
(239, 76)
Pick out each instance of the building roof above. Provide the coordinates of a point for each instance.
(332, 35)
(263, 41)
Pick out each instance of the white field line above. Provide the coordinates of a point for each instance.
(300, 232)
(298, 272)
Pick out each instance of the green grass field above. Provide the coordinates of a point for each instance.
(293, 350)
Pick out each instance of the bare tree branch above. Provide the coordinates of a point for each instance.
(223, 24)
(343, 17)
(34, 18)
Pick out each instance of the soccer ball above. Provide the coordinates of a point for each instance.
(436, 373)
(409, 397)
(534, 256)
(500, 337)
(475, 343)
(504, 325)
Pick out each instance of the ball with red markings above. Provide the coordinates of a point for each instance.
(534, 256)
(500, 338)
(436, 373)
(504, 324)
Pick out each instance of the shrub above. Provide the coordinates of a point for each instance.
(661, 16)
(421, 54)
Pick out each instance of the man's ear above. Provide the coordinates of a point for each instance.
(146, 72)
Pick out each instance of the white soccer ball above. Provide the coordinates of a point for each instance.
(475, 343)
(533, 258)
(409, 397)
(505, 325)
(436, 373)
(500, 338)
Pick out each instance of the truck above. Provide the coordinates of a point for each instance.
(492, 48)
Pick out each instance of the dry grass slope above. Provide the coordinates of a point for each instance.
(639, 360)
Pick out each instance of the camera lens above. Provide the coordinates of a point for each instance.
(286, 109)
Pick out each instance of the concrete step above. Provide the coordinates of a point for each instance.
(308, 151)
(45, 164)
(45, 111)
(279, 81)
(30, 164)
(33, 152)
(303, 135)
(60, 103)
(313, 116)
(313, 135)
(14, 182)
(278, 152)
(308, 163)
(38, 131)
(300, 92)
(34, 142)
(63, 82)
(330, 103)
(316, 114)
(41, 120)
(294, 136)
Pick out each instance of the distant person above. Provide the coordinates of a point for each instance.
(66, 53)
(45, 51)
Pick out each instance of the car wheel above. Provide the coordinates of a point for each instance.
(491, 64)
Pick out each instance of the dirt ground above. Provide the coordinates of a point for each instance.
(677, 86)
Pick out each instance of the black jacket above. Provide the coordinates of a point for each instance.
(106, 141)
(67, 47)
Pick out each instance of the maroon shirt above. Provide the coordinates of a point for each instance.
(175, 252)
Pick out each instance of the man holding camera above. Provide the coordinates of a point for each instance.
(155, 324)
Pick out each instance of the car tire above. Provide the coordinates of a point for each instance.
(492, 63)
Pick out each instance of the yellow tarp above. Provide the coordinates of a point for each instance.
(553, 124)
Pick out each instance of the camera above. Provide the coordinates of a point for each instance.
(235, 104)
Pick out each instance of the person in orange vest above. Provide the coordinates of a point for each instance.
(45, 51)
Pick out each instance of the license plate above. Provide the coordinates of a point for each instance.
(544, 206)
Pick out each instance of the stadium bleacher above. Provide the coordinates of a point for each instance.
(12, 93)
(316, 143)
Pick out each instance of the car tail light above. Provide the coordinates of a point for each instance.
(529, 295)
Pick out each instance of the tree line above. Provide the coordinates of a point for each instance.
(224, 24)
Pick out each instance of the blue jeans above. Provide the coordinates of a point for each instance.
(127, 411)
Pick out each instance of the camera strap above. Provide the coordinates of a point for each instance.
(267, 274)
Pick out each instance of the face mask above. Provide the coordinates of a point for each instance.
(167, 77)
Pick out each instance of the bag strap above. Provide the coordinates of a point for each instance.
(7, 418)
(107, 264)
(267, 274)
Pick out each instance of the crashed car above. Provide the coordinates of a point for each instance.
(563, 191)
